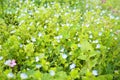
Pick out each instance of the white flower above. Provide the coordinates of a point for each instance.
(21, 45)
(10, 75)
(79, 45)
(95, 72)
(7, 62)
(72, 66)
(28, 69)
(37, 59)
(45, 27)
(78, 39)
(33, 39)
(23, 76)
(38, 66)
(58, 40)
(98, 46)
(67, 24)
(90, 36)
(21, 22)
(87, 25)
(57, 29)
(100, 33)
(30, 12)
(62, 50)
(117, 32)
(13, 31)
(1, 57)
(115, 38)
(52, 73)
(37, 23)
(28, 28)
(18, 37)
(56, 15)
(70, 53)
(46, 21)
(39, 34)
(0, 47)
(112, 17)
(117, 18)
(87, 5)
(90, 32)
(21, 1)
(95, 41)
(28, 41)
(64, 56)
(59, 37)
(26, 57)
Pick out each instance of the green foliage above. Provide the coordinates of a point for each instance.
(59, 40)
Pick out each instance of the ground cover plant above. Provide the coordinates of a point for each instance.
(59, 40)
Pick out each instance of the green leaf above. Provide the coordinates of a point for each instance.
(85, 46)
(29, 49)
(74, 73)
(82, 56)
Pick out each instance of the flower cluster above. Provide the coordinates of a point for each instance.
(10, 63)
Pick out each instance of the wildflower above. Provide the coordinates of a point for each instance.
(58, 37)
(46, 21)
(62, 50)
(10, 75)
(79, 45)
(45, 27)
(37, 59)
(78, 39)
(95, 41)
(67, 24)
(30, 12)
(7, 62)
(39, 34)
(90, 36)
(10, 63)
(117, 32)
(52, 73)
(0, 47)
(100, 33)
(13, 31)
(28, 41)
(87, 25)
(57, 29)
(56, 15)
(37, 23)
(95, 72)
(21, 45)
(33, 39)
(21, 22)
(18, 37)
(38, 66)
(1, 57)
(21, 1)
(115, 38)
(117, 18)
(87, 5)
(72, 66)
(26, 57)
(28, 69)
(64, 56)
(23, 76)
(28, 28)
(98, 46)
